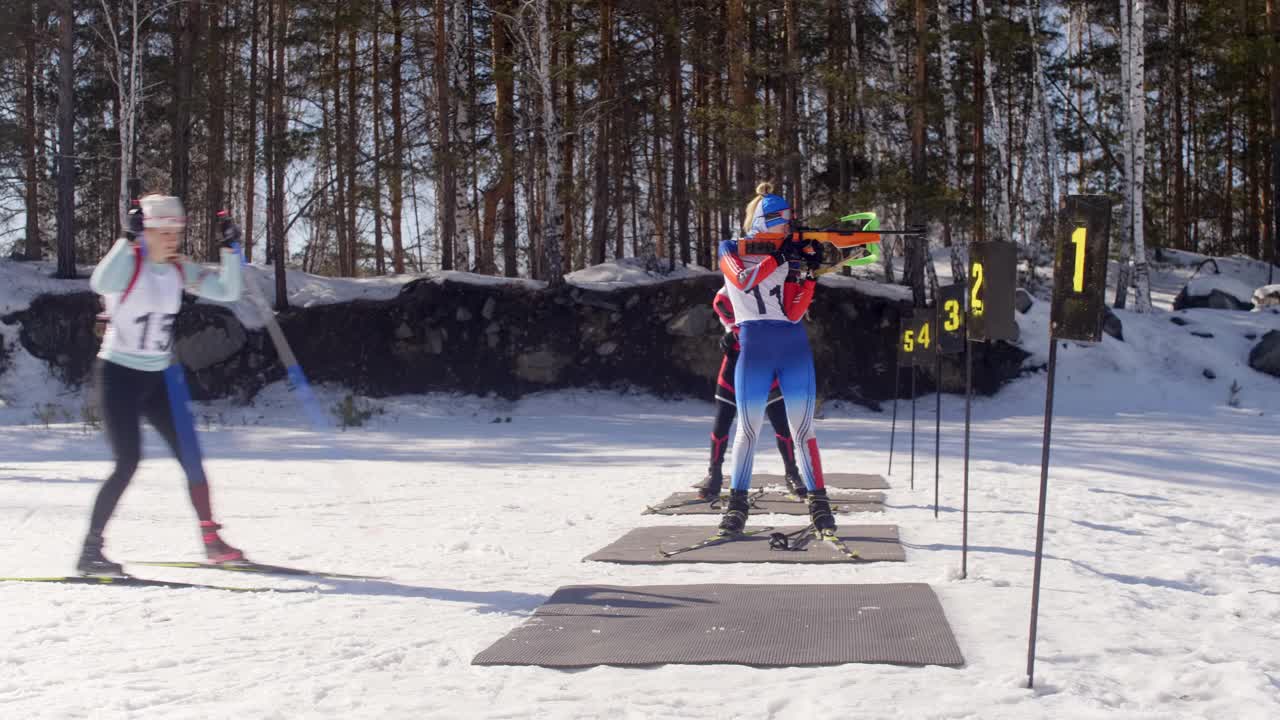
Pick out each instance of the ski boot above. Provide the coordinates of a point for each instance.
(824, 523)
(93, 562)
(735, 516)
(709, 488)
(795, 484)
(215, 548)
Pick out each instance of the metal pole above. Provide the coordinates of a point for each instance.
(1044, 489)
(893, 428)
(913, 426)
(937, 430)
(968, 403)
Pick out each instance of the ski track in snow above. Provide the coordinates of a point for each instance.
(1159, 592)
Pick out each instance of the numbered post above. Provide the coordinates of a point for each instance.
(1080, 270)
(926, 348)
(993, 276)
(1079, 285)
(906, 344)
(951, 319)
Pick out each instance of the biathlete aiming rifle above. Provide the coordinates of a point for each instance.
(829, 248)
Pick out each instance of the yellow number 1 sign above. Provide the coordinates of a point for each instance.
(1079, 238)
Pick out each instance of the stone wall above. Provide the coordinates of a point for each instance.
(511, 339)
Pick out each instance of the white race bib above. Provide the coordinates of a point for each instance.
(762, 302)
(143, 323)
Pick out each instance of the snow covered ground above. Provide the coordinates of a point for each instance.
(1160, 587)
(1161, 591)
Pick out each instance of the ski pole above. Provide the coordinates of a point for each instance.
(297, 378)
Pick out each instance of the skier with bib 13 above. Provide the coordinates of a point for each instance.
(769, 299)
(142, 280)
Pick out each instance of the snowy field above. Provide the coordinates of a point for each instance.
(1161, 590)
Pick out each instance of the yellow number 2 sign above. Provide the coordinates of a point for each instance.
(975, 302)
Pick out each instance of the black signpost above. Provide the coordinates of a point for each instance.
(990, 290)
(918, 342)
(949, 325)
(1079, 284)
(900, 358)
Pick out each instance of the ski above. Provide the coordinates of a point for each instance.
(131, 581)
(712, 541)
(253, 568)
(713, 502)
(835, 541)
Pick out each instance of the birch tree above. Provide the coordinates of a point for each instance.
(124, 25)
(552, 208)
(949, 109)
(1000, 128)
(1134, 99)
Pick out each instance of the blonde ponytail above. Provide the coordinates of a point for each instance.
(764, 188)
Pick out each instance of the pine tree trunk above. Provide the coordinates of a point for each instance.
(185, 30)
(742, 136)
(268, 129)
(1273, 23)
(1251, 216)
(705, 249)
(916, 252)
(66, 142)
(34, 248)
(1228, 184)
(675, 91)
(216, 143)
(658, 239)
(979, 125)
(279, 245)
(395, 183)
(380, 266)
(251, 136)
(622, 143)
(1178, 233)
(604, 112)
(445, 191)
(349, 152)
(504, 123)
(790, 105)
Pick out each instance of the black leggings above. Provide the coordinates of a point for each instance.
(125, 397)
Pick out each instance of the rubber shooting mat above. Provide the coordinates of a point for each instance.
(759, 625)
(640, 546)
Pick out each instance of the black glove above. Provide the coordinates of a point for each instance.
(230, 231)
(134, 229)
(813, 260)
(729, 342)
